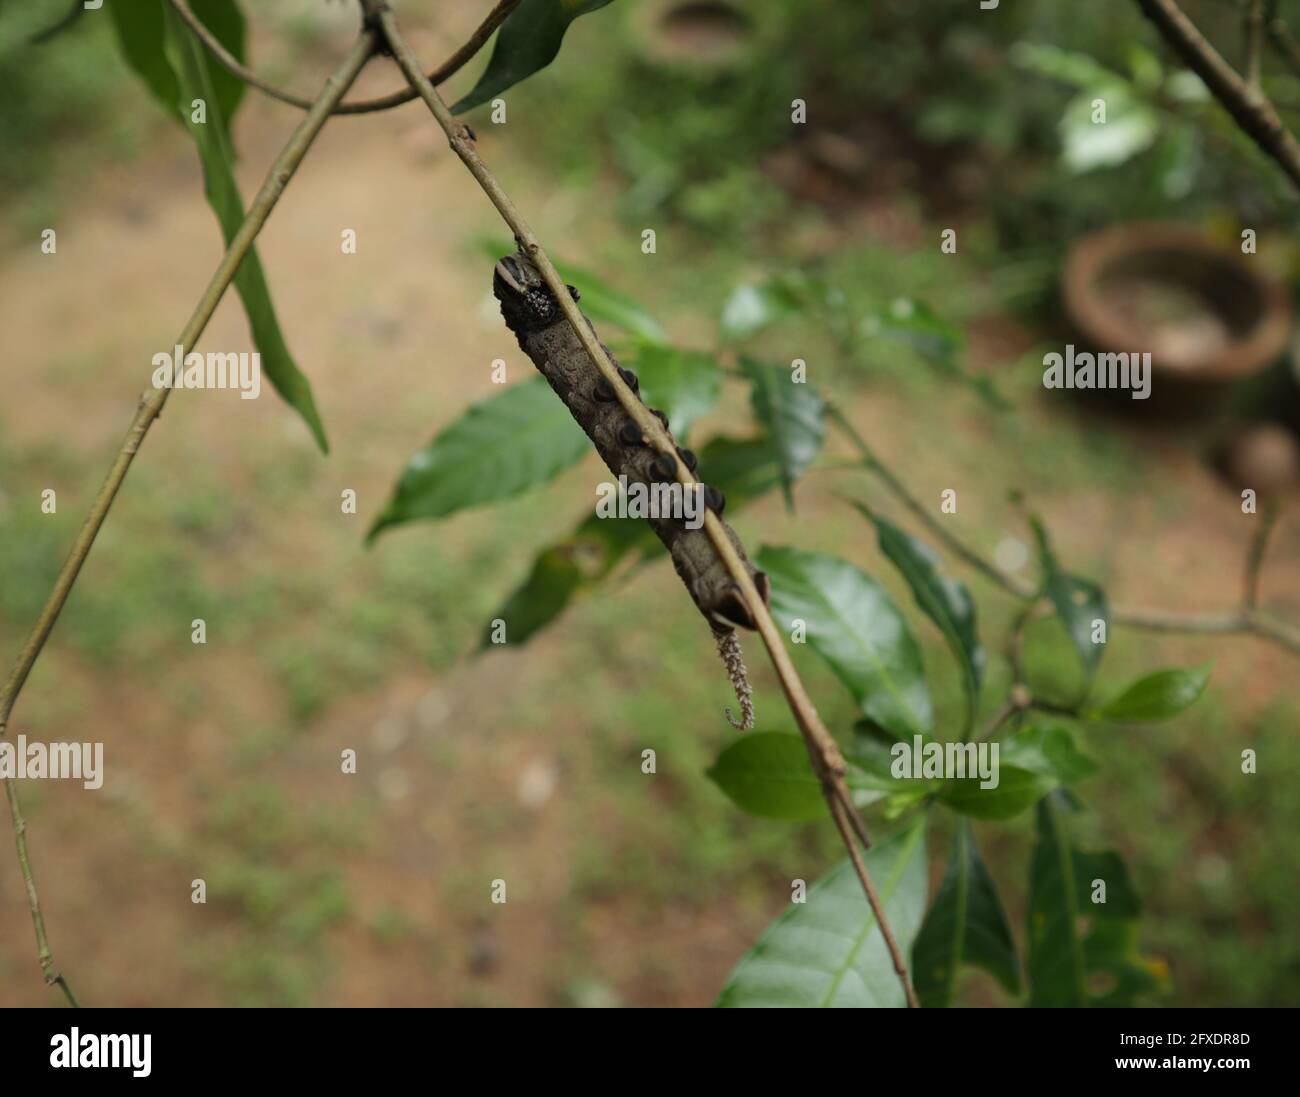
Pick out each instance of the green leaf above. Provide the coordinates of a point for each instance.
(855, 626)
(828, 951)
(871, 759)
(226, 22)
(1158, 696)
(569, 569)
(606, 305)
(1068, 66)
(1049, 747)
(1131, 127)
(870, 753)
(218, 158)
(581, 562)
(792, 414)
(1112, 949)
(1055, 967)
(528, 41)
(742, 468)
(1131, 124)
(964, 925)
(1107, 867)
(756, 306)
(175, 68)
(141, 30)
(768, 774)
(501, 447)
(945, 601)
(1016, 790)
(683, 384)
(753, 307)
(1078, 602)
(1063, 965)
(554, 580)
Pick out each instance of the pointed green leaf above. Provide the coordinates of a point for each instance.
(569, 569)
(528, 41)
(141, 30)
(683, 384)
(828, 951)
(1066, 886)
(218, 158)
(792, 414)
(944, 600)
(175, 68)
(1016, 790)
(1078, 602)
(1055, 967)
(742, 468)
(751, 308)
(606, 305)
(755, 306)
(939, 343)
(964, 925)
(1048, 746)
(768, 774)
(501, 447)
(226, 22)
(1158, 696)
(854, 625)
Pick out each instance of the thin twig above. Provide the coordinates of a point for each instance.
(1283, 40)
(827, 761)
(1017, 587)
(43, 954)
(1247, 621)
(151, 405)
(1018, 699)
(1248, 105)
(843, 814)
(1255, 557)
(443, 72)
(1254, 34)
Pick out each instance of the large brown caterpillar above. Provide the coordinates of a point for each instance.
(532, 313)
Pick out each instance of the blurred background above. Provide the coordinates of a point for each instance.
(524, 763)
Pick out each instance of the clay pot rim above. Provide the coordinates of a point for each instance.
(1091, 255)
(658, 50)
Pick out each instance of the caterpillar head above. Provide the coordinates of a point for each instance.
(526, 301)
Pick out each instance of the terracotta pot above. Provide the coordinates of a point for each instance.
(1207, 314)
(711, 36)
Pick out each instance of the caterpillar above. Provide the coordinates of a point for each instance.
(545, 336)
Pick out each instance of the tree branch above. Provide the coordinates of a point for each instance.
(443, 72)
(1248, 106)
(827, 761)
(150, 407)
